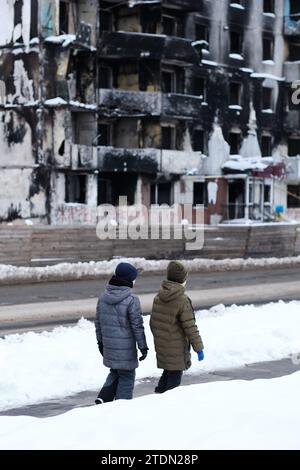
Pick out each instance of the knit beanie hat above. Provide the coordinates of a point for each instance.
(176, 272)
(126, 271)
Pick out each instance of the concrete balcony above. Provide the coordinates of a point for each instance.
(293, 170)
(147, 161)
(123, 45)
(291, 71)
(174, 104)
(130, 103)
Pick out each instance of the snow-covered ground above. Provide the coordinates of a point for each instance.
(9, 273)
(262, 414)
(38, 366)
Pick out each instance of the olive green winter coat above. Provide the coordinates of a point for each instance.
(174, 327)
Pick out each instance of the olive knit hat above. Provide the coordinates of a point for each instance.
(176, 272)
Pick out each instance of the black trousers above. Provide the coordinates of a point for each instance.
(170, 379)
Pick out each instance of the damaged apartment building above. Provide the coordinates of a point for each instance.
(161, 101)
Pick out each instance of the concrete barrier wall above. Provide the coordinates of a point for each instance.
(39, 246)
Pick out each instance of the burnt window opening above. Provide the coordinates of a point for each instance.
(268, 48)
(269, 6)
(266, 145)
(267, 98)
(236, 42)
(161, 193)
(112, 186)
(293, 146)
(106, 18)
(84, 128)
(199, 87)
(235, 94)
(104, 137)
(168, 137)
(64, 12)
(198, 140)
(234, 142)
(293, 199)
(201, 32)
(61, 149)
(34, 19)
(105, 77)
(76, 189)
(149, 76)
(294, 51)
(169, 81)
(200, 194)
(104, 191)
(169, 25)
(295, 10)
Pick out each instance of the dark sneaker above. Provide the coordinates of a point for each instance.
(99, 401)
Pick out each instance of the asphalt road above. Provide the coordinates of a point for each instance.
(72, 290)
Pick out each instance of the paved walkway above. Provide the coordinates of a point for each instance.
(261, 370)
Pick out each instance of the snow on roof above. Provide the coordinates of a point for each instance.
(267, 75)
(239, 163)
(55, 102)
(210, 62)
(77, 104)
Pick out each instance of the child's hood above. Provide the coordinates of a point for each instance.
(115, 294)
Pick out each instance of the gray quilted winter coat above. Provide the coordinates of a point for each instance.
(119, 327)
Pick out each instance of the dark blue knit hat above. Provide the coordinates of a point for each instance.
(126, 272)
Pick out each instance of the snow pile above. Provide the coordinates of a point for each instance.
(93, 269)
(39, 366)
(63, 39)
(238, 163)
(263, 414)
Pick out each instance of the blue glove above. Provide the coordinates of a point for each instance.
(200, 355)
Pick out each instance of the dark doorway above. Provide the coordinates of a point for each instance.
(236, 200)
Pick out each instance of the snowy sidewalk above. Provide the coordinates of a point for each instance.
(16, 318)
(260, 370)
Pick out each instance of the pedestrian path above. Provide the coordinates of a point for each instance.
(261, 370)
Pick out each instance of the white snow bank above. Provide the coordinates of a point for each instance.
(38, 366)
(262, 414)
(93, 269)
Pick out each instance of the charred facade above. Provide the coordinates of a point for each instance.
(147, 99)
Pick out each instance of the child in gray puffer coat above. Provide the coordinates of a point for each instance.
(119, 329)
